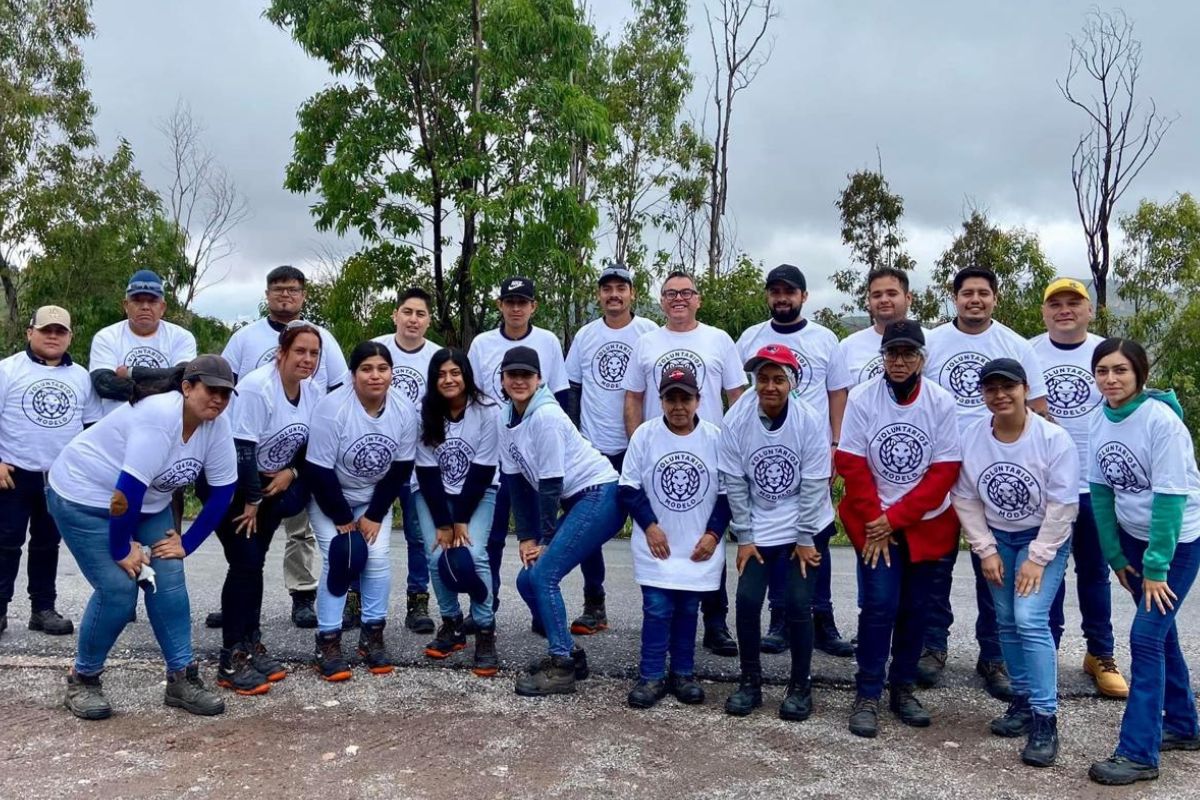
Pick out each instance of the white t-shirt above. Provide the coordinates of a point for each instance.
(474, 439)
(409, 370)
(709, 351)
(41, 409)
(955, 358)
(1015, 480)
(677, 475)
(360, 448)
(900, 442)
(860, 352)
(145, 440)
(546, 445)
(773, 463)
(822, 368)
(1070, 389)
(251, 346)
(118, 346)
(1148, 452)
(597, 360)
(488, 349)
(262, 413)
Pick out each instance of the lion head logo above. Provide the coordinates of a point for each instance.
(49, 403)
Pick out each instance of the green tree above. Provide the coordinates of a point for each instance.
(733, 300)
(1158, 265)
(1176, 357)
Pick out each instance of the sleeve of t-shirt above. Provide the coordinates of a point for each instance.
(1062, 481)
(481, 375)
(635, 375)
(487, 449)
(573, 366)
(732, 374)
(814, 456)
(631, 467)
(854, 428)
(947, 445)
(550, 447)
(1169, 456)
(322, 439)
(233, 353)
(336, 368)
(729, 459)
(248, 416)
(837, 374)
(743, 344)
(220, 462)
(93, 409)
(965, 486)
(425, 455)
(186, 350)
(104, 352)
(1033, 371)
(556, 374)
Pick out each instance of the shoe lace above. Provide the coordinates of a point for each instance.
(866, 704)
(1107, 664)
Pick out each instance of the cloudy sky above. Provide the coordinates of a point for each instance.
(959, 98)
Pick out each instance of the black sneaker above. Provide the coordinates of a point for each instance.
(995, 679)
(776, 639)
(328, 660)
(907, 708)
(929, 667)
(593, 619)
(185, 690)
(303, 613)
(236, 672)
(50, 621)
(646, 694)
(1121, 771)
(717, 639)
(828, 639)
(352, 611)
(1173, 741)
(686, 689)
(215, 620)
(448, 640)
(372, 650)
(555, 675)
(271, 668)
(85, 697)
(417, 619)
(797, 702)
(864, 717)
(747, 697)
(1041, 749)
(486, 663)
(1016, 721)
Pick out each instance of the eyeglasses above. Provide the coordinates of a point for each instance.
(681, 294)
(288, 291)
(904, 356)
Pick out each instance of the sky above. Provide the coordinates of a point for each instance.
(959, 100)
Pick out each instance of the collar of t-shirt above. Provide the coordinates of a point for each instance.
(528, 330)
(789, 327)
(1066, 345)
(773, 423)
(65, 361)
(695, 424)
(405, 350)
(958, 328)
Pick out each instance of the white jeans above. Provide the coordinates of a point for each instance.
(375, 581)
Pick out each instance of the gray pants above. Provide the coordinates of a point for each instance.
(299, 555)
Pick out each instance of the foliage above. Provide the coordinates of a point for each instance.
(1176, 357)
(733, 300)
(1160, 260)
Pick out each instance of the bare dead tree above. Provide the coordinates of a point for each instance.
(1122, 134)
(741, 26)
(204, 204)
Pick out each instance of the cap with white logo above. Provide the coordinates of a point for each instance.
(516, 286)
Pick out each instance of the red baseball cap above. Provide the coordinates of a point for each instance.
(774, 354)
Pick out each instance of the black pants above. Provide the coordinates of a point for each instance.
(752, 591)
(24, 508)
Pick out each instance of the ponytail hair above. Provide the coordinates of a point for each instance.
(172, 382)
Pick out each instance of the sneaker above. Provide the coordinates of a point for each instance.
(995, 679)
(907, 708)
(271, 668)
(352, 611)
(686, 689)
(593, 619)
(646, 694)
(448, 640)
(417, 619)
(1121, 771)
(929, 667)
(864, 717)
(797, 702)
(215, 620)
(1041, 749)
(776, 639)
(185, 690)
(555, 675)
(828, 639)
(85, 697)
(1108, 679)
(1016, 721)
(50, 621)
(236, 672)
(747, 697)
(717, 639)
(372, 650)
(485, 663)
(328, 659)
(1173, 741)
(303, 613)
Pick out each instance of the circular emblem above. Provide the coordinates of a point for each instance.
(514, 453)
(872, 369)
(1069, 391)
(497, 385)
(961, 376)
(1121, 468)
(142, 356)
(268, 356)
(1011, 490)
(609, 365)
(278, 451)
(680, 481)
(409, 381)
(182, 473)
(804, 378)
(49, 403)
(774, 470)
(454, 459)
(900, 452)
(370, 456)
(677, 358)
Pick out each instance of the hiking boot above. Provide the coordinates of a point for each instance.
(417, 619)
(828, 639)
(864, 717)
(352, 611)
(717, 639)
(1121, 771)
(185, 690)
(236, 672)
(646, 694)
(554, 675)
(1042, 746)
(50, 621)
(328, 659)
(995, 679)
(470, 626)
(303, 613)
(1173, 741)
(1016, 721)
(686, 689)
(486, 663)
(907, 708)
(448, 640)
(797, 702)
(215, 620)
(929, 667)
(1108, 679)
(593, 619)
(372, 650)
(271, 668)
(85, 697)
(776, 640)
(578, 657)
(747, 697)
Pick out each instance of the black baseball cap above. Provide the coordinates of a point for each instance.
(615, 271)
(788, 274)
(521, 359)
(678, 377)
(1008, 368)
(211, 370)
(902, 333)
(516, 286)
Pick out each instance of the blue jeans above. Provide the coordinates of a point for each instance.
(1160, 694)
(375, 581)
(418, 558)
(669, 621)
(892, 617)
(939, 616)
(592, 517)
(114, 593)
(822, 601)
(1024, 622)
(1091, 584)
(477, 530)
(592, 567)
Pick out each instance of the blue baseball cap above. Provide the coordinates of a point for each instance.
(457, 571)
(144, 281)
(347, 558)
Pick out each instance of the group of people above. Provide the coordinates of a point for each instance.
(1059, 449)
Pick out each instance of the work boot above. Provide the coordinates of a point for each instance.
(797, 702)
(215, 619)
(1042, 746)
(486, 662)
(578, 657)
(929, 667)
(1108, 679)
(236, 672)
(50, 621)
(828, 639)
(1173, 741)
(328, 660)
(747, 697)
(717, 639)
(995, 679)
(372, 650)
(593, 619)
(352, 611)
(470, 626)
(417, 619)
(1121, 771)
(85, 697)
(646, 694)
(907, 708)
(271, 668)
(555, 675)
(864, 717)
(776, 640)
(686, 689)
(185, 690)
(303, 613)
(1016, 721)
(448, 640)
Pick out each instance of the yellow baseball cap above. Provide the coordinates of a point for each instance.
(1066, 285)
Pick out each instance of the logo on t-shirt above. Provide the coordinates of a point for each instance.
(49, 403)
(514, 453)
(143, 356)
(409, 381)
(871, 369)
(680, 481)
(279, 450)
(1011, 490)
(804, 377)
(773, 469)
(961, 376)
(180, 474)
(454, 459)
(678, 358)
(1068, 389)
(370, 456)
(609, 365)
(1121, 468)
(902, 452)
(267, 357)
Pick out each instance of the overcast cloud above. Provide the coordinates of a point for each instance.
(960, 98)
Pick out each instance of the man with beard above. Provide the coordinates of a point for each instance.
(823, 383)
(888, 300)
